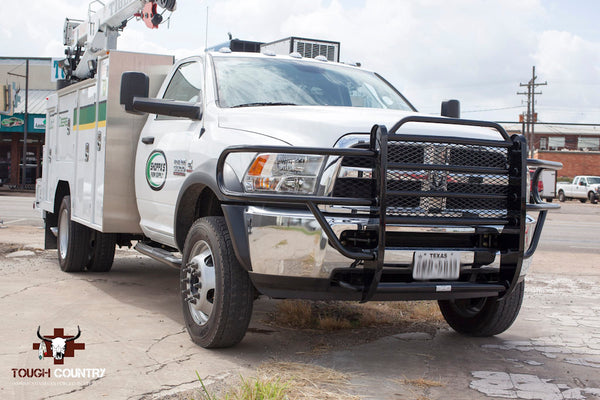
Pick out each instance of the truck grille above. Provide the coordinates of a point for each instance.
(474, 185)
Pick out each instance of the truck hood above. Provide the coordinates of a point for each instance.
(323, 126)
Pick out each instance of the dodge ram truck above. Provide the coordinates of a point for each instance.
(292, 178)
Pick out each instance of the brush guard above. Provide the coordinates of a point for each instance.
(516, 169)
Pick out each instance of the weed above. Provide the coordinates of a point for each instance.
(250, 389)
(287, 380)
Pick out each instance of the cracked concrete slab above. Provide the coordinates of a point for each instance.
(525, 386)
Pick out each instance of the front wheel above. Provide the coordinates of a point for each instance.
(486, 316)
(73, 240)
(216, 291)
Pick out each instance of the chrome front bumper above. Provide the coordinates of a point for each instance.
(291, 243)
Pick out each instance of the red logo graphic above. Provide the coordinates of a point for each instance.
(58, 345)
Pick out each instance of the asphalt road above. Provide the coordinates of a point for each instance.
(135, 346)
(573, 228)
(18, 210)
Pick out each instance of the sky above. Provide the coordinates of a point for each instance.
(476, 51)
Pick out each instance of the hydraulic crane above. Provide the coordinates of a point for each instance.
(85, 40)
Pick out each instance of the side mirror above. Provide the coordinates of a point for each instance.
(133, 84)
(451, 108)
(135, 87)
(171, 108)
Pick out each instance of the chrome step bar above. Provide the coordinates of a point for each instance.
(159, 254)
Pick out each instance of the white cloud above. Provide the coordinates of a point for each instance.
(474, 50)
(27, 26)
(571, 65)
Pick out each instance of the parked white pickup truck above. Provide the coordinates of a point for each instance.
(583, 188)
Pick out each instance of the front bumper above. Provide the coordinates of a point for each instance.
(285, 244)
(295, 247)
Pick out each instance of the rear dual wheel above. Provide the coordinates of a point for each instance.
(102, 252)
(80, 247)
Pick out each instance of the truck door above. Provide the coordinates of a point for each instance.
(581, 188)
(162, 154)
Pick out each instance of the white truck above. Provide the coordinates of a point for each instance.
(583, 188)
(278, 175)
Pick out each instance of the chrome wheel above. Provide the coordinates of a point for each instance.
(216, 291)
(73, 240)
(63, 233)
(200, 282)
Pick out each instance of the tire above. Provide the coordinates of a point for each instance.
(216, 292)
(561, 196)
(485, 316)
(73, 240)
(592, 197)
(102, 252)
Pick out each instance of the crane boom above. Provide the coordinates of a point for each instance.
(86, 39)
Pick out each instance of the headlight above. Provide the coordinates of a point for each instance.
(286, 173)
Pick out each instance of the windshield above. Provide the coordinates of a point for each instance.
(249, 81)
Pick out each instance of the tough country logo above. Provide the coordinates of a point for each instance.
(60, 345)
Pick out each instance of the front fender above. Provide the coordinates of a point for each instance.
(195, 187)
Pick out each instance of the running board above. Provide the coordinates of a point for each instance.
(159, 254)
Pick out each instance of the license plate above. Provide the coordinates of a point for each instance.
(436, 265)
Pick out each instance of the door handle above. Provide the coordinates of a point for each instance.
(148, 140)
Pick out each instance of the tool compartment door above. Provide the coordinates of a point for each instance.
(85, 128)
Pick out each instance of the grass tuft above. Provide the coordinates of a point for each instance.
(251, 389)
(285, 381)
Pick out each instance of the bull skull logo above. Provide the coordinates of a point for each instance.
(58, 344)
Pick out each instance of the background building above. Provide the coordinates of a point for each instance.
(13, 75)
(576, 146)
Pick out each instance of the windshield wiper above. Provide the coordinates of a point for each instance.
(264, 104)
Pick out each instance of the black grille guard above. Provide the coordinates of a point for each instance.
(373, 259)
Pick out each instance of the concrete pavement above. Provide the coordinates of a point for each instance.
(132, 329)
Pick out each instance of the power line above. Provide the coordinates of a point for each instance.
(493, 109)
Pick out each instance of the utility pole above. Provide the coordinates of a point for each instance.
(530, 118)
(24, 173)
